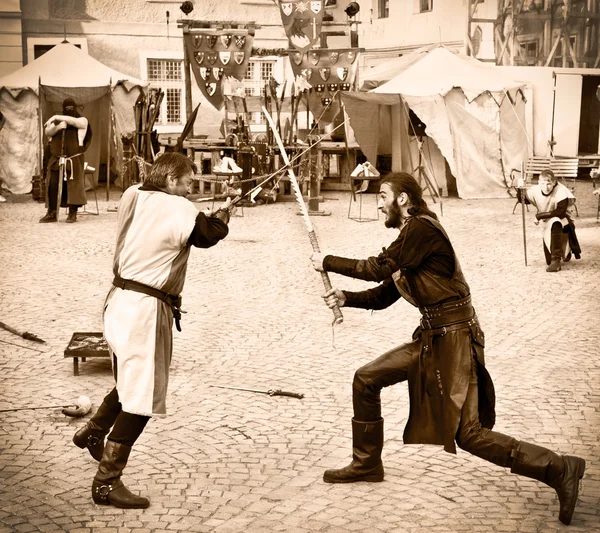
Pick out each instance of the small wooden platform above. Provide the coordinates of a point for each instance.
(86, 344)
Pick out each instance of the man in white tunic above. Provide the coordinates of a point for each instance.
(553, 202)
(157, 226)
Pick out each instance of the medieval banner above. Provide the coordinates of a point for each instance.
(218, 54)
(328, 71)
(302, 21)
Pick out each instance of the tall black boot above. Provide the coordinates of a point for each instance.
(107, 487)
(72, 216)
(561, 472)
(556, 248)
(366, 465)
(91, 436)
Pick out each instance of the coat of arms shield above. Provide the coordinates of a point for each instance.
(211, 40)
(240, 41)
(226, 40)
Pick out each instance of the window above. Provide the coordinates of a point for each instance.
(425, 5)
(529, 52)
(40, 49)
(38, 46)
(167, 75)
(557, 61)
(383, 8)
(257, 77)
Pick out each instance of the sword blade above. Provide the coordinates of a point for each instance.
(240, 388)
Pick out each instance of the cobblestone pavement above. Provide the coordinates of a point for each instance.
(231, 461)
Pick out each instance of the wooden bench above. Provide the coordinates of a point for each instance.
(564, 169)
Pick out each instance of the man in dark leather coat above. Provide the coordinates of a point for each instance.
(451, 392)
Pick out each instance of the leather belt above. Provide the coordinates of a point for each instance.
(447, 314)
(174, 302)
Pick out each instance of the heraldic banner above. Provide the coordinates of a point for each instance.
(328, 71)
(302, 21)
(217, 53)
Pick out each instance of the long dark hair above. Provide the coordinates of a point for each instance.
(403, 182)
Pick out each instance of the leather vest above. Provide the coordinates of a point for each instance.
(424, 288)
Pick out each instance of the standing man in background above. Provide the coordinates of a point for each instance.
(70, 136)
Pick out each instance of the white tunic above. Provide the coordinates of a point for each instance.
(151, 248)
(545, 203)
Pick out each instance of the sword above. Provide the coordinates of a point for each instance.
(270, 392)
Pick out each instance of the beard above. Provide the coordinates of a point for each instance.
(394, 217)
(70, 113)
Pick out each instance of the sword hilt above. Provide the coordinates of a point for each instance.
(338, 318)
(285, 393)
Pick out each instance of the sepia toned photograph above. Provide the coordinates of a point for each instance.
(300, 266)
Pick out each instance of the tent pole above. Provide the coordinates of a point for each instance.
(40, 136)
(108, 143)
(187, 76)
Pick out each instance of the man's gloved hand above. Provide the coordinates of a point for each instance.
(224, 211)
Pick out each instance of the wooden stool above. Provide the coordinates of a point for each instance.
(86, 344)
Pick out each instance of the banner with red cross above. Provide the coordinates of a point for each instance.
(302, 21)
(216, 54)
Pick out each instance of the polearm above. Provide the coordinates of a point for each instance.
(61, 172)
(523, 193)
(338, 317)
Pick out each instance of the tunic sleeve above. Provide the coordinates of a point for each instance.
(207, 231)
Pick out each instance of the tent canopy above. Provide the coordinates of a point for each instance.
(66, 65)
(32, 94)
(475, 118)
(440, 70)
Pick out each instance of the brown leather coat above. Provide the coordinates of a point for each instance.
(446, 341)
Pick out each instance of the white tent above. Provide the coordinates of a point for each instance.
(474, 113)
(32, 94)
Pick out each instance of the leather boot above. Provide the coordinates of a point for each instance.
(107, 487)
(50, 216)
(91, 436)
(556, 242)
(72, 216)
(366, 465)
(561, 472)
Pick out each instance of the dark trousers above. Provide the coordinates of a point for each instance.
(126, 427)
(392, 367)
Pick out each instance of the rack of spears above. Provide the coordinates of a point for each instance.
(140, 149)
(306, 109)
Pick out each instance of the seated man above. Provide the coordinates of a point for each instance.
(553, 200)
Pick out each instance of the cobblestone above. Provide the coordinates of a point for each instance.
(229, 461)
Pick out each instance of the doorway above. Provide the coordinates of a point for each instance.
(590, 116)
